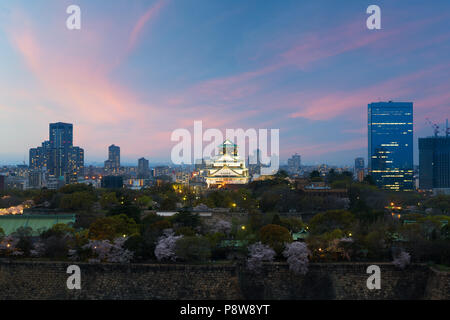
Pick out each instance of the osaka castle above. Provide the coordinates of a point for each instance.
(227, 169)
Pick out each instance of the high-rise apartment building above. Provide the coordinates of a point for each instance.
(57, 156)
(112, 165)
(39, 156)
(390, 140)
(294, 163)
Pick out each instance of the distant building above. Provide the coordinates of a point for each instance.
(57, 156)
(135, 184)
(36, 179)
(38, 157)
(75, 168)
(61, 142)
(390, 140)
(143, 171)
(16, 182)
(434, 164)
(294, 164)
(2, 182)
(161, 171)
(112, 165)
(359, 169)
(112, 182)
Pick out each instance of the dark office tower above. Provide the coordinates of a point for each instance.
(434, 163)
(2, 182)
(390, 127)
(112, 165)
(61, 141)
(143, 169)
(359, 169)
(112, 182)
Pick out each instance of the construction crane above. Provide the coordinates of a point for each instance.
(435, 127)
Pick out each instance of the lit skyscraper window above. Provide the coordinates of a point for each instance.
(390, 133)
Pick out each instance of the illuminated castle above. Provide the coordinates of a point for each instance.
(227, 168)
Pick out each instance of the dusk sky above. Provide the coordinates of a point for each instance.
(137, 70)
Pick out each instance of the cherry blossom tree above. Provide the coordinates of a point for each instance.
(108, 251)
(258, 253)
(222, 226)
(38, 249)
(166, 245)
(297, 257)
(401, 259)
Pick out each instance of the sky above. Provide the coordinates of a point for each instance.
(138, 70)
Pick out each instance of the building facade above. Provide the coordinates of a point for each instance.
(61, 141)
(390, 142)
(359, 169)
(294, 164)
(112, 165)
(57, 157)
(143, 171)
(434, 164)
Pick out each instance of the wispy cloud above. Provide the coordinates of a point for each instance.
(150, 14)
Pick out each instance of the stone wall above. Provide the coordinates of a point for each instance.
(438, 285)
(47, 280)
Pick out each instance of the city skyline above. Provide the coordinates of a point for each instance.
(308, 69)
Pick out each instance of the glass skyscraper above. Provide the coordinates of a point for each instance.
(434, 163)
(390, 135)
(61, 141)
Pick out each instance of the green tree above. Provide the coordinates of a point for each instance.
(25, 244)
(127, 208)
(79, 200)
(144, 201)
(193, 249)
(330, 220)
(108, 200)
(109, 228)
(276, 220)
(185, 231)
(275, 236)
(186, 219)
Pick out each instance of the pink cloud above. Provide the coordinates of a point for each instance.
(80, 90)
(320, 107)
(150, 14)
